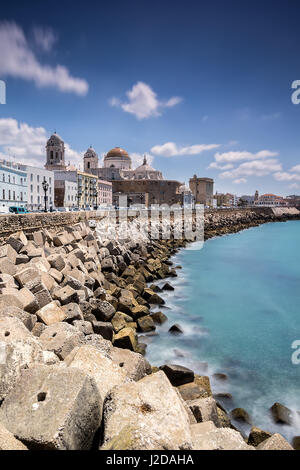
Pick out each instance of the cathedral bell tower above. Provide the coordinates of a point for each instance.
(90, 160)
(55, 151)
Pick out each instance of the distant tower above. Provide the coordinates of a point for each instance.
(256, 197)
(90, 160)
(55, 150)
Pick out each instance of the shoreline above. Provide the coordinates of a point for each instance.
(71, 306)
(220, 400)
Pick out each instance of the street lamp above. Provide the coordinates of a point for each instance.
(45, 188)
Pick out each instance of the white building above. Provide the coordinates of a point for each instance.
(36, 194)
(13, 185)
(66, 192)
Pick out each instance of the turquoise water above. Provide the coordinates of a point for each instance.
(238, 301)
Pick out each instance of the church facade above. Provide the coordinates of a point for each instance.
(117, 166)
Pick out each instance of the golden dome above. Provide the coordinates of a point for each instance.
(117, 152)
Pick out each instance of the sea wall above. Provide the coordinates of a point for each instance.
(221, 220)
(72, 305)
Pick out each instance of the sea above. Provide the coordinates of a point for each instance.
(237, 299)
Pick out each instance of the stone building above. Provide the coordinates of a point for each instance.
(87, 186)
(148, 192)
(203, 190)
(117, 166)
(55, 152)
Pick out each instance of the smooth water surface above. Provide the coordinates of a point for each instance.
(238, 301)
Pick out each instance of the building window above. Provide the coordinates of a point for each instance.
(31, 177)
(3, 194)
(9, 194)
(3, 177)
(31, 187)
(9, 178)
(51, 154)
(38, 178)
(14, 195)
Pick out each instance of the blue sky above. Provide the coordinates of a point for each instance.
(200, 86)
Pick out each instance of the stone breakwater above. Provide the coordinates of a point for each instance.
(72, 370)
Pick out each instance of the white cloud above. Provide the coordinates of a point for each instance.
(296, 168)
(243, 155)
(18, 60)
(45, 38)
(138, 158)
(254, 168)
(27, 144)
(294, 186)
(170, 149)
(217, 166)
(143, 102)
(240, 181)
(285, 176)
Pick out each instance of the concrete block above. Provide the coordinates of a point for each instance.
(53, 408)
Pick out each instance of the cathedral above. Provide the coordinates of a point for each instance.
(117, 166)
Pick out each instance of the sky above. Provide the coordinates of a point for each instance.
(200, 87)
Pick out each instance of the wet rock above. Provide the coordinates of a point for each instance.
(159, 317)
(220, 376)
(176, 329)
(146, 324)
(178, 375)
(223, 418)
(257, 436)
(296, 443)
(281, 414)
(141, 348)
(276, 442)
(167, 286)
(239, 414)
(192, 391)
(66, 399)
(126, 339)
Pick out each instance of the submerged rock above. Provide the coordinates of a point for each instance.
(178, 375)
(281, 414)
(239, 414)
(176, 329)
(257, 436)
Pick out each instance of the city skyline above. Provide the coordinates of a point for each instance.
(199, 89)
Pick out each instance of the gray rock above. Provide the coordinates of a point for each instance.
(281, 414)
(178, 375)
(204, 409)
(53, 408)
(153, 405)
(61, 338)
(276, 442)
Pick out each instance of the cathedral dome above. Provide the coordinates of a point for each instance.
(117, 152)
(90, 152)
(55, 139)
